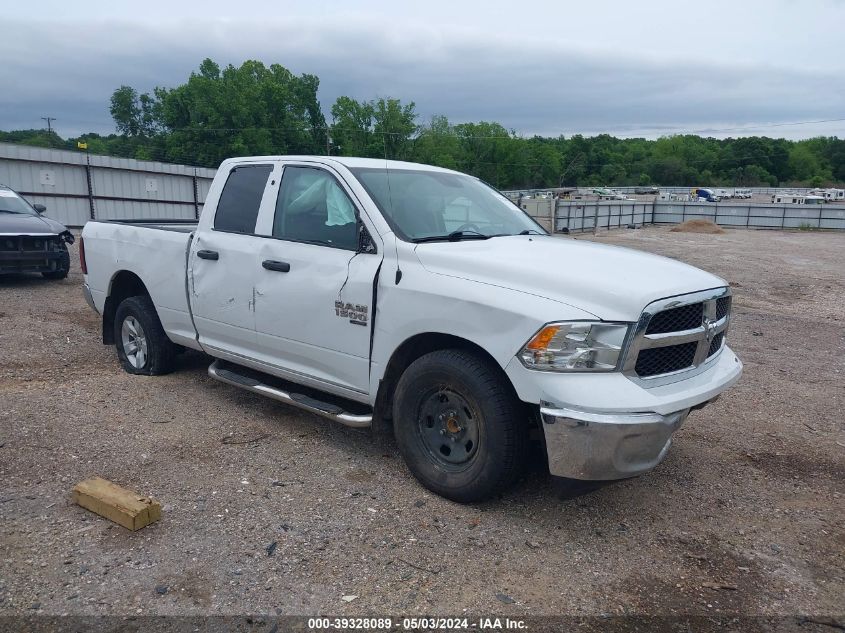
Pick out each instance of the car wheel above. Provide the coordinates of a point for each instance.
(63, 267)
(459, 425)
(142, 346)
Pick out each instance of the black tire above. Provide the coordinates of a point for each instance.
(477, 396)
(63, 268)
(139, 314)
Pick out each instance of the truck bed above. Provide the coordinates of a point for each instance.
(180, 226)
(156, 252)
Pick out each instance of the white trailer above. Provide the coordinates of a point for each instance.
(830, 194)
(796, 198)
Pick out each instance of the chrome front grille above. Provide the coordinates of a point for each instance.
(676, 319)
(663, 360)
(716, 344)
(723, 307)
(678, 334)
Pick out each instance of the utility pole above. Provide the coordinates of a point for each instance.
(49, 120)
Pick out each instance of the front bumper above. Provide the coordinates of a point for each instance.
(29, 261)
(606, 426)
(595, 446)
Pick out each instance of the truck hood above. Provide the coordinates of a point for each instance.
(610, 282)
(21, 224)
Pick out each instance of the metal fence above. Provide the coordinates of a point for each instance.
(586, 215)
(514, 194)
(754, 216)
(77, 186)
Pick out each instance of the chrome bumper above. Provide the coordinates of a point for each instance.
(86, 291)
(599, 446)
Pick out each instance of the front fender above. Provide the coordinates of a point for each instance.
(498, 320)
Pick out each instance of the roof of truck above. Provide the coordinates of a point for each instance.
(347, 161)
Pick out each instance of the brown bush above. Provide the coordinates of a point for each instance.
(698, 226)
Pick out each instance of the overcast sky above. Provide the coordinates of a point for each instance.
(627, 68)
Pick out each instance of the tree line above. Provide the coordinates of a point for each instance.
(254, 109)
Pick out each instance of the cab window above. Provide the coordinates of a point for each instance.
(312, 207)
(237, 210)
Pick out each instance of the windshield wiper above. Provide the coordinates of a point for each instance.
(13, 212)
(530, 232)
(454, 236)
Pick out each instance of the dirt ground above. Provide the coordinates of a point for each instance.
(269, 510)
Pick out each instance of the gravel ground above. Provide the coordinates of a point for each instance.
(275, 511)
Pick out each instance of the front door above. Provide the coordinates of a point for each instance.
(314, 285)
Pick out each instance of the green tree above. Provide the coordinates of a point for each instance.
(437, 143)
(352, 128)
(382, 128)
(803, 162)
(134, 114)
(234, 111)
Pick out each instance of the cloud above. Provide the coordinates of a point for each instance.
(531, 84)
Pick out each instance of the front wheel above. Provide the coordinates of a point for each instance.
(459, 425)
(142, 346)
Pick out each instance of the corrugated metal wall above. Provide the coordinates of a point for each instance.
(611, 214)
(762, 216)
(541, 210)
(681, 190)
(581, 215)
(76, 187)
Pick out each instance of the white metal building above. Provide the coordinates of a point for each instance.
(77, 186)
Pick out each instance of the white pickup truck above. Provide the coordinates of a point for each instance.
(381, 293)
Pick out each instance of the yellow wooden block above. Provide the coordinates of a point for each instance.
(124, 507)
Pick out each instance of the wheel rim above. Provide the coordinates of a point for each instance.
(448, 428)
(134, 342)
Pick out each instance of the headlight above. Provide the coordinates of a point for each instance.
(575, 346)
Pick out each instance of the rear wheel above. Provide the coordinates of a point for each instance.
(142, 346)
(63, 267)
(459, 425)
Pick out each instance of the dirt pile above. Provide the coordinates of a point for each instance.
(698, 226)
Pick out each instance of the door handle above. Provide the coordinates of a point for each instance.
(214, 255)
(272, 264)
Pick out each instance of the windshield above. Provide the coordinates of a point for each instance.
(10, 202)
(429, 205)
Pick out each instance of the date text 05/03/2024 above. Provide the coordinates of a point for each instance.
(418, 624)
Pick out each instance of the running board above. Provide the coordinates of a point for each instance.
(223, 373)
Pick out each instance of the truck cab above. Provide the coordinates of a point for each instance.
(704, 195)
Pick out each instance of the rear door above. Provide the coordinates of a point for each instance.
(313, 284)
(222, 261)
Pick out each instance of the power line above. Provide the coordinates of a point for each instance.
(771, 125)
(762, 126)
(520, 135)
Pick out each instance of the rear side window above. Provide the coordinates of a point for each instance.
(237, 210)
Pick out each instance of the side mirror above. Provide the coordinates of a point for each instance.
(40, 208)
(365, 242)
